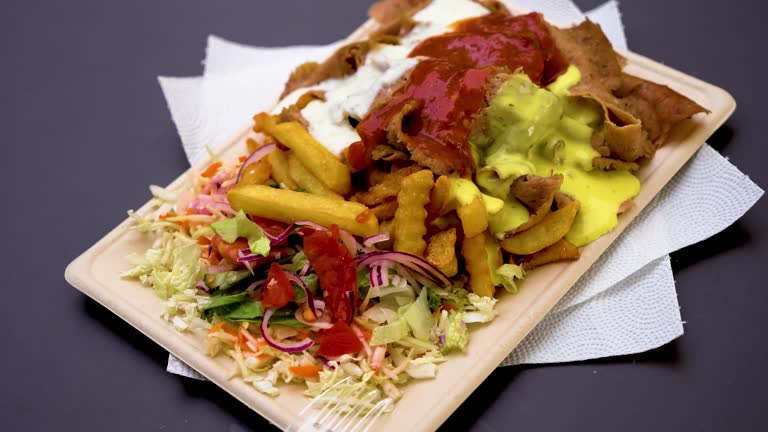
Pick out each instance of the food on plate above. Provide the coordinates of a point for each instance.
(397, 188)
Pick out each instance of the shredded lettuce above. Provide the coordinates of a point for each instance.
(456, 334)
(419, 317)
(380, 314)
(482, 309)
(183, 310)
(163, 194)
(240, 226)
(389, 333)
(425, 366)
(144, 225)
(170, 266)
(507, 274)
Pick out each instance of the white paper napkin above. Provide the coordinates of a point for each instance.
(625, 304)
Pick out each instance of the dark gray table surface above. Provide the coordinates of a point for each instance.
(85, 129)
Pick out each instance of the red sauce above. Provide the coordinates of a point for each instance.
(446, 91)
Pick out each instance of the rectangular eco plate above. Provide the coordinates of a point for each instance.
(426, 403)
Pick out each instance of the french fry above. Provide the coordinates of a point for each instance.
(441, 252)
(385, 210)
(305, 180)
(476, 263)
(474, 219)
(256, 173)
(251, 145)
(318, 160)
(290, 206)
(279, 162)
(562, 250)
(388, 186)
(438, 199)
(409, 227)
(552, 228)
(375, 175)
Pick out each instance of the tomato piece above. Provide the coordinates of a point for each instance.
(277, 291)
(270, 226)
(339, 340)
(335, 269)
(229, 250)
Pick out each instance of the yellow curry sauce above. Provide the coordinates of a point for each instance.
(544, 131)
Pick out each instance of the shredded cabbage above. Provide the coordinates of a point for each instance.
(425, 366)
(507, 274)
(380, 314)
(482, 309)
(170, 266)
(456, 334)
(389, 333)
(183, 310)
(419, 317)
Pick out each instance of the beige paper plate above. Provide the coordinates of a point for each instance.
(426, 404)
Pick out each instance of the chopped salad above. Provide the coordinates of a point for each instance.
(300, 302)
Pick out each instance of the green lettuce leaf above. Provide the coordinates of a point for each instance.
(240, 226)
(419, 317)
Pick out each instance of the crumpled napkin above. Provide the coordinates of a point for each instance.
(626, 303)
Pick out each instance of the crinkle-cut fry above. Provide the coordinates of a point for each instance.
(256, 173)
(439, 198)
(562, 250)
(318, 160)
(279, 162)
(290, 206)
(410, 217)
(441, 252)
(385, 210)
(388, 186)
(552, 228)
(474, 218)
(305, 180)
(476, 263)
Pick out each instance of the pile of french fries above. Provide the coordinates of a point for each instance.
(420, 210)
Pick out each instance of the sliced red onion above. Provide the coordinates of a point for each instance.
(310, 299)
(317, 324)
(385, 266)
(254, 286)
(305, 270)
(411, 261)
(255, 157)
(224, 208)
(441, 339)
(376, 238)
(376, 278)
(202, 287)
(245, 256)
(320, 308)
(404, 272)
(310, 224)
(210, 250)
(325, 361)
(273, 240)
(220, 268)
(290, 347)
